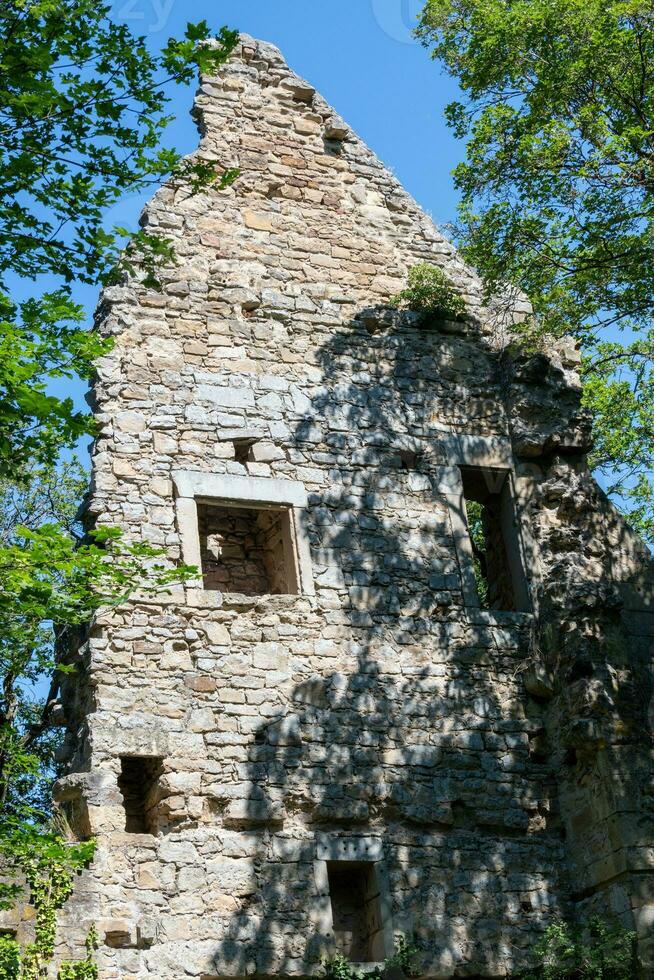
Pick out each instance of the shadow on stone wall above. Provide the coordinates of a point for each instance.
(418, 735)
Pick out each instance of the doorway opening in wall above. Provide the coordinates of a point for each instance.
(494, 538)
(356, 910)
(139, 785)
(247, 550)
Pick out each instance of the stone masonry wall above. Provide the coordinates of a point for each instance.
(379, 715)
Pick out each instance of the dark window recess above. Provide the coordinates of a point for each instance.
(139, 784)
(492, 524)
(409, 459)
(242, 449)
(248, 550)
(75, 811)
(538, 746)
(356, 911)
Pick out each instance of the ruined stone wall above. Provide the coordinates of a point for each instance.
(377, 715)
(594, 624)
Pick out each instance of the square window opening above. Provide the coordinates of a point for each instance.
(356, 910)
(494, 538)
(247, 550)
(139, 785)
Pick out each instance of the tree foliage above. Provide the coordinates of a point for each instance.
(475, 518)
(51, 499)
(82, 115)
(558, 188)
(83, 110)
(41, 341)
(599, 951)
(47, 577)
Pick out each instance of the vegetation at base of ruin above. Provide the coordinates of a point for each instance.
(430, 294)
(600, 951)
(401, 962)
(49, 865)
(83, 110)
(558, 193)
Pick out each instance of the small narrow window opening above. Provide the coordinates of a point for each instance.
(139, 785)
(409, 459)
(247, 550)
(356, 910)
(242, 450)
(490, 514)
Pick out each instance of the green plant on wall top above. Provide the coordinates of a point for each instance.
(602, 951)
(429, 293)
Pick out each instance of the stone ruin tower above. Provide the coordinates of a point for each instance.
(327, 740)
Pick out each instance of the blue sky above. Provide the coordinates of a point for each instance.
(359, 54)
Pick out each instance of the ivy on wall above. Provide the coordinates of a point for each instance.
(48, 865)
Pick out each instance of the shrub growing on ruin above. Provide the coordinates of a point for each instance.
(429, 293)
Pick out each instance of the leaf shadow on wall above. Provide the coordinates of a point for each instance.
(405, 720)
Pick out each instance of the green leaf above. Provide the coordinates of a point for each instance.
(557, 190)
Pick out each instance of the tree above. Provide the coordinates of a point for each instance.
(27, 743)
(558, 191)
(82, 115)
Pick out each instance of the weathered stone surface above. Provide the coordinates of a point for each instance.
(259, 222)
(378, 714)
(538, 682)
